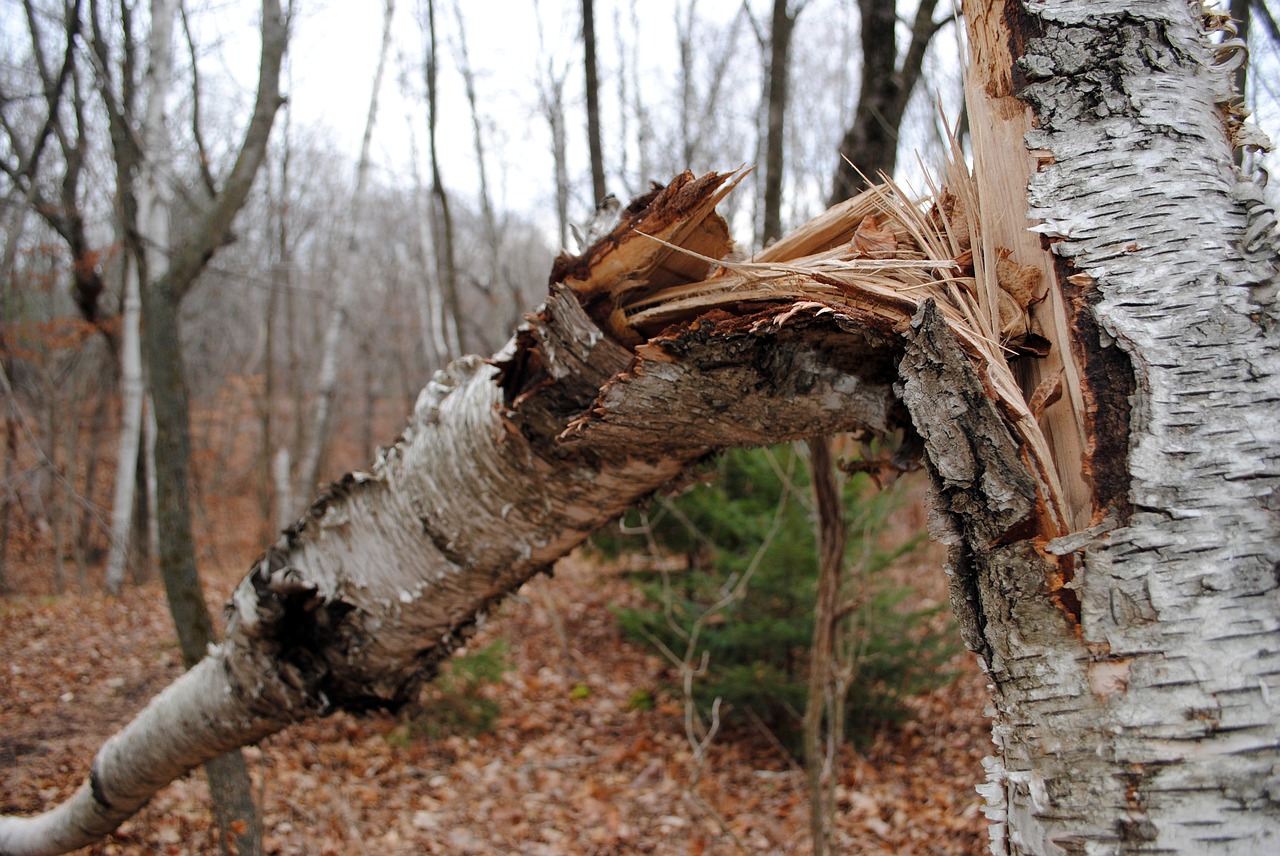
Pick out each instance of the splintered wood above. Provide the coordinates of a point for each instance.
(879, 257)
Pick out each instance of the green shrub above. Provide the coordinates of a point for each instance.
(455, 703)
(754, 518)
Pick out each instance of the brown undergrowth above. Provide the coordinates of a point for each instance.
(575, 765)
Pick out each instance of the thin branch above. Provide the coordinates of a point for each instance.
(53, 86)
(213, 227)
(202, 150)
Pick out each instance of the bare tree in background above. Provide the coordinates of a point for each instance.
(551, 78)
(870, 145)
(150, 189)
(502, 285)
(698, 113)
(164, 279)
(441, 216)
(592, 76)
(275, 486)
(782, 23)
(331, 349)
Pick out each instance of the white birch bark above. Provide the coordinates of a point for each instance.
(280, 474)
(152, 195)
(131, 394)
(438, 330)
(1143, 720)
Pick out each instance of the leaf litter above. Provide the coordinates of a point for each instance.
(588, 754)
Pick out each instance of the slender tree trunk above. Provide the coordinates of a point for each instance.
(551, 101)
(554, 109)
(644, 125)
(228, 777)
(493, 240)
(433, 317)
(335, 333)
(777, 92)
(821, 755)
(131, 396)
(268, 497)
(143, 541)
(267, 404)
(441, 215)
(684, 21)
(594, 145)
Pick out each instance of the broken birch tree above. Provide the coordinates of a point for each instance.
(1096, 405)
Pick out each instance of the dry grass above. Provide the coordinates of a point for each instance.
(883, 254)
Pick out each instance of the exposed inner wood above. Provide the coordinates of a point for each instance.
(999, 122)
(880, 254)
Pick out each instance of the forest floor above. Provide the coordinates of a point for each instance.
(573, 764)
(588, 753)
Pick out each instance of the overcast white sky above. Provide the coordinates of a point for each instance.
(334, 55)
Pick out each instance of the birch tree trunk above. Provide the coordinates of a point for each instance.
(551, 101)
(1134, 660)
(151, 220)
(492, 233)
(131, 397)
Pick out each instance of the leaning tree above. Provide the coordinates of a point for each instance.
(1095, 398)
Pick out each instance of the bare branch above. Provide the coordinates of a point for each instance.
(202, 151)
(210, 232)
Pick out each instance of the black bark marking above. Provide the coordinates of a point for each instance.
(1108, 388)
(95, 787)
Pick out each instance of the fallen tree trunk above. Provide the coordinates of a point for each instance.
(505, 466)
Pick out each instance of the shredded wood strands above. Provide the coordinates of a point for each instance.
(883, 254)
